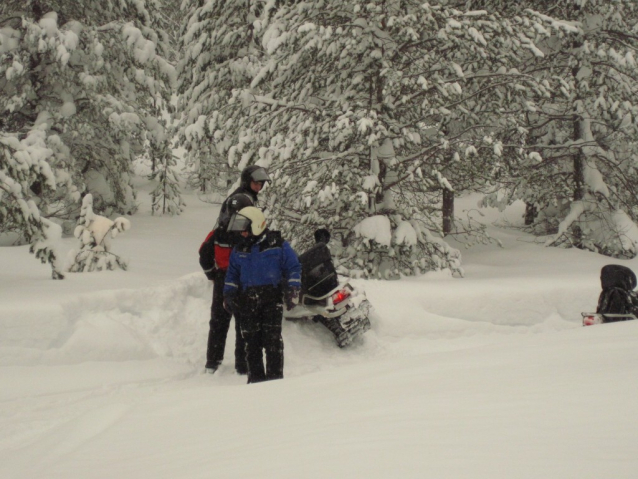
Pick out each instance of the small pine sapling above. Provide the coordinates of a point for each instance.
(167, 198)
(96, 233)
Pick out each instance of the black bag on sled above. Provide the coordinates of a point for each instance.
(617, 296)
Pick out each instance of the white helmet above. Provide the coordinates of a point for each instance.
(248, 217)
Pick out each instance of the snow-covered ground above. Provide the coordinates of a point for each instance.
(487, 376)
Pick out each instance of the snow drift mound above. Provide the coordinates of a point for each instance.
(413, 316)
(168, 321)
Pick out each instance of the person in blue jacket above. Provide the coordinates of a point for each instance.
(263, 273)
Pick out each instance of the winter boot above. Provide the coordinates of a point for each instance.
(211, 366)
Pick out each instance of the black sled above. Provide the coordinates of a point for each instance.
(618, 300)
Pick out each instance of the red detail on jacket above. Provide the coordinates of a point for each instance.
(222, 256)
(221, 253)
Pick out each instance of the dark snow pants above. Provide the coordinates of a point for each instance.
(219, 324)
(262, 313)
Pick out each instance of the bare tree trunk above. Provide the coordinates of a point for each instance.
(578, 163)
(579, 179)
(579, 176)
(448, 211)
(530, 214)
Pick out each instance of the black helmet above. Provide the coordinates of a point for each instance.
(233, 204)
(322, 235)
(253, 173)
(237, 202)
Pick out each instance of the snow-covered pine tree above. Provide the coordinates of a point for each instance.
(172, 17)
(581, 176)
(220, 55)
(167, 197)
(353, 120)
(23, 163)
(95, 234)
(87, 76)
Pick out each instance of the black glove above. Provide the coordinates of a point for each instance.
(230, 304)
(292, 298)
(211, 274)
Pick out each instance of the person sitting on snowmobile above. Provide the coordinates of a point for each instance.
(324, 300)
(318, 274)
(618, 295)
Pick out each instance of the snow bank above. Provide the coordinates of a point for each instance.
(119, 325)
(482, 377)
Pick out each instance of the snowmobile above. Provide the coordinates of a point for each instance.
(339, 306)
(618, 300)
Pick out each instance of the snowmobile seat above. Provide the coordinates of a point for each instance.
(617, 296)
(318, 274)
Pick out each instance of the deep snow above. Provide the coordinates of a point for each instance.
(486, 376)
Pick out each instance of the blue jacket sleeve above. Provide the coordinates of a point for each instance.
(291, 267)
(231, 284)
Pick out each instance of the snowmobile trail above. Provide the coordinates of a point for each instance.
(490, 369)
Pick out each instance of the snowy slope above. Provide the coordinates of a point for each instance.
(486, 376)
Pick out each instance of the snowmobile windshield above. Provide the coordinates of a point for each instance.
(259, 175)
(238, 223)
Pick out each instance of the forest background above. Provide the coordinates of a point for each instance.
(371, 117)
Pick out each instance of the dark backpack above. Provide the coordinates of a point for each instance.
(617, 296)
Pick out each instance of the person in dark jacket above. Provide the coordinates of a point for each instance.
(252, 180)
(263, 273)
(214, 255)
